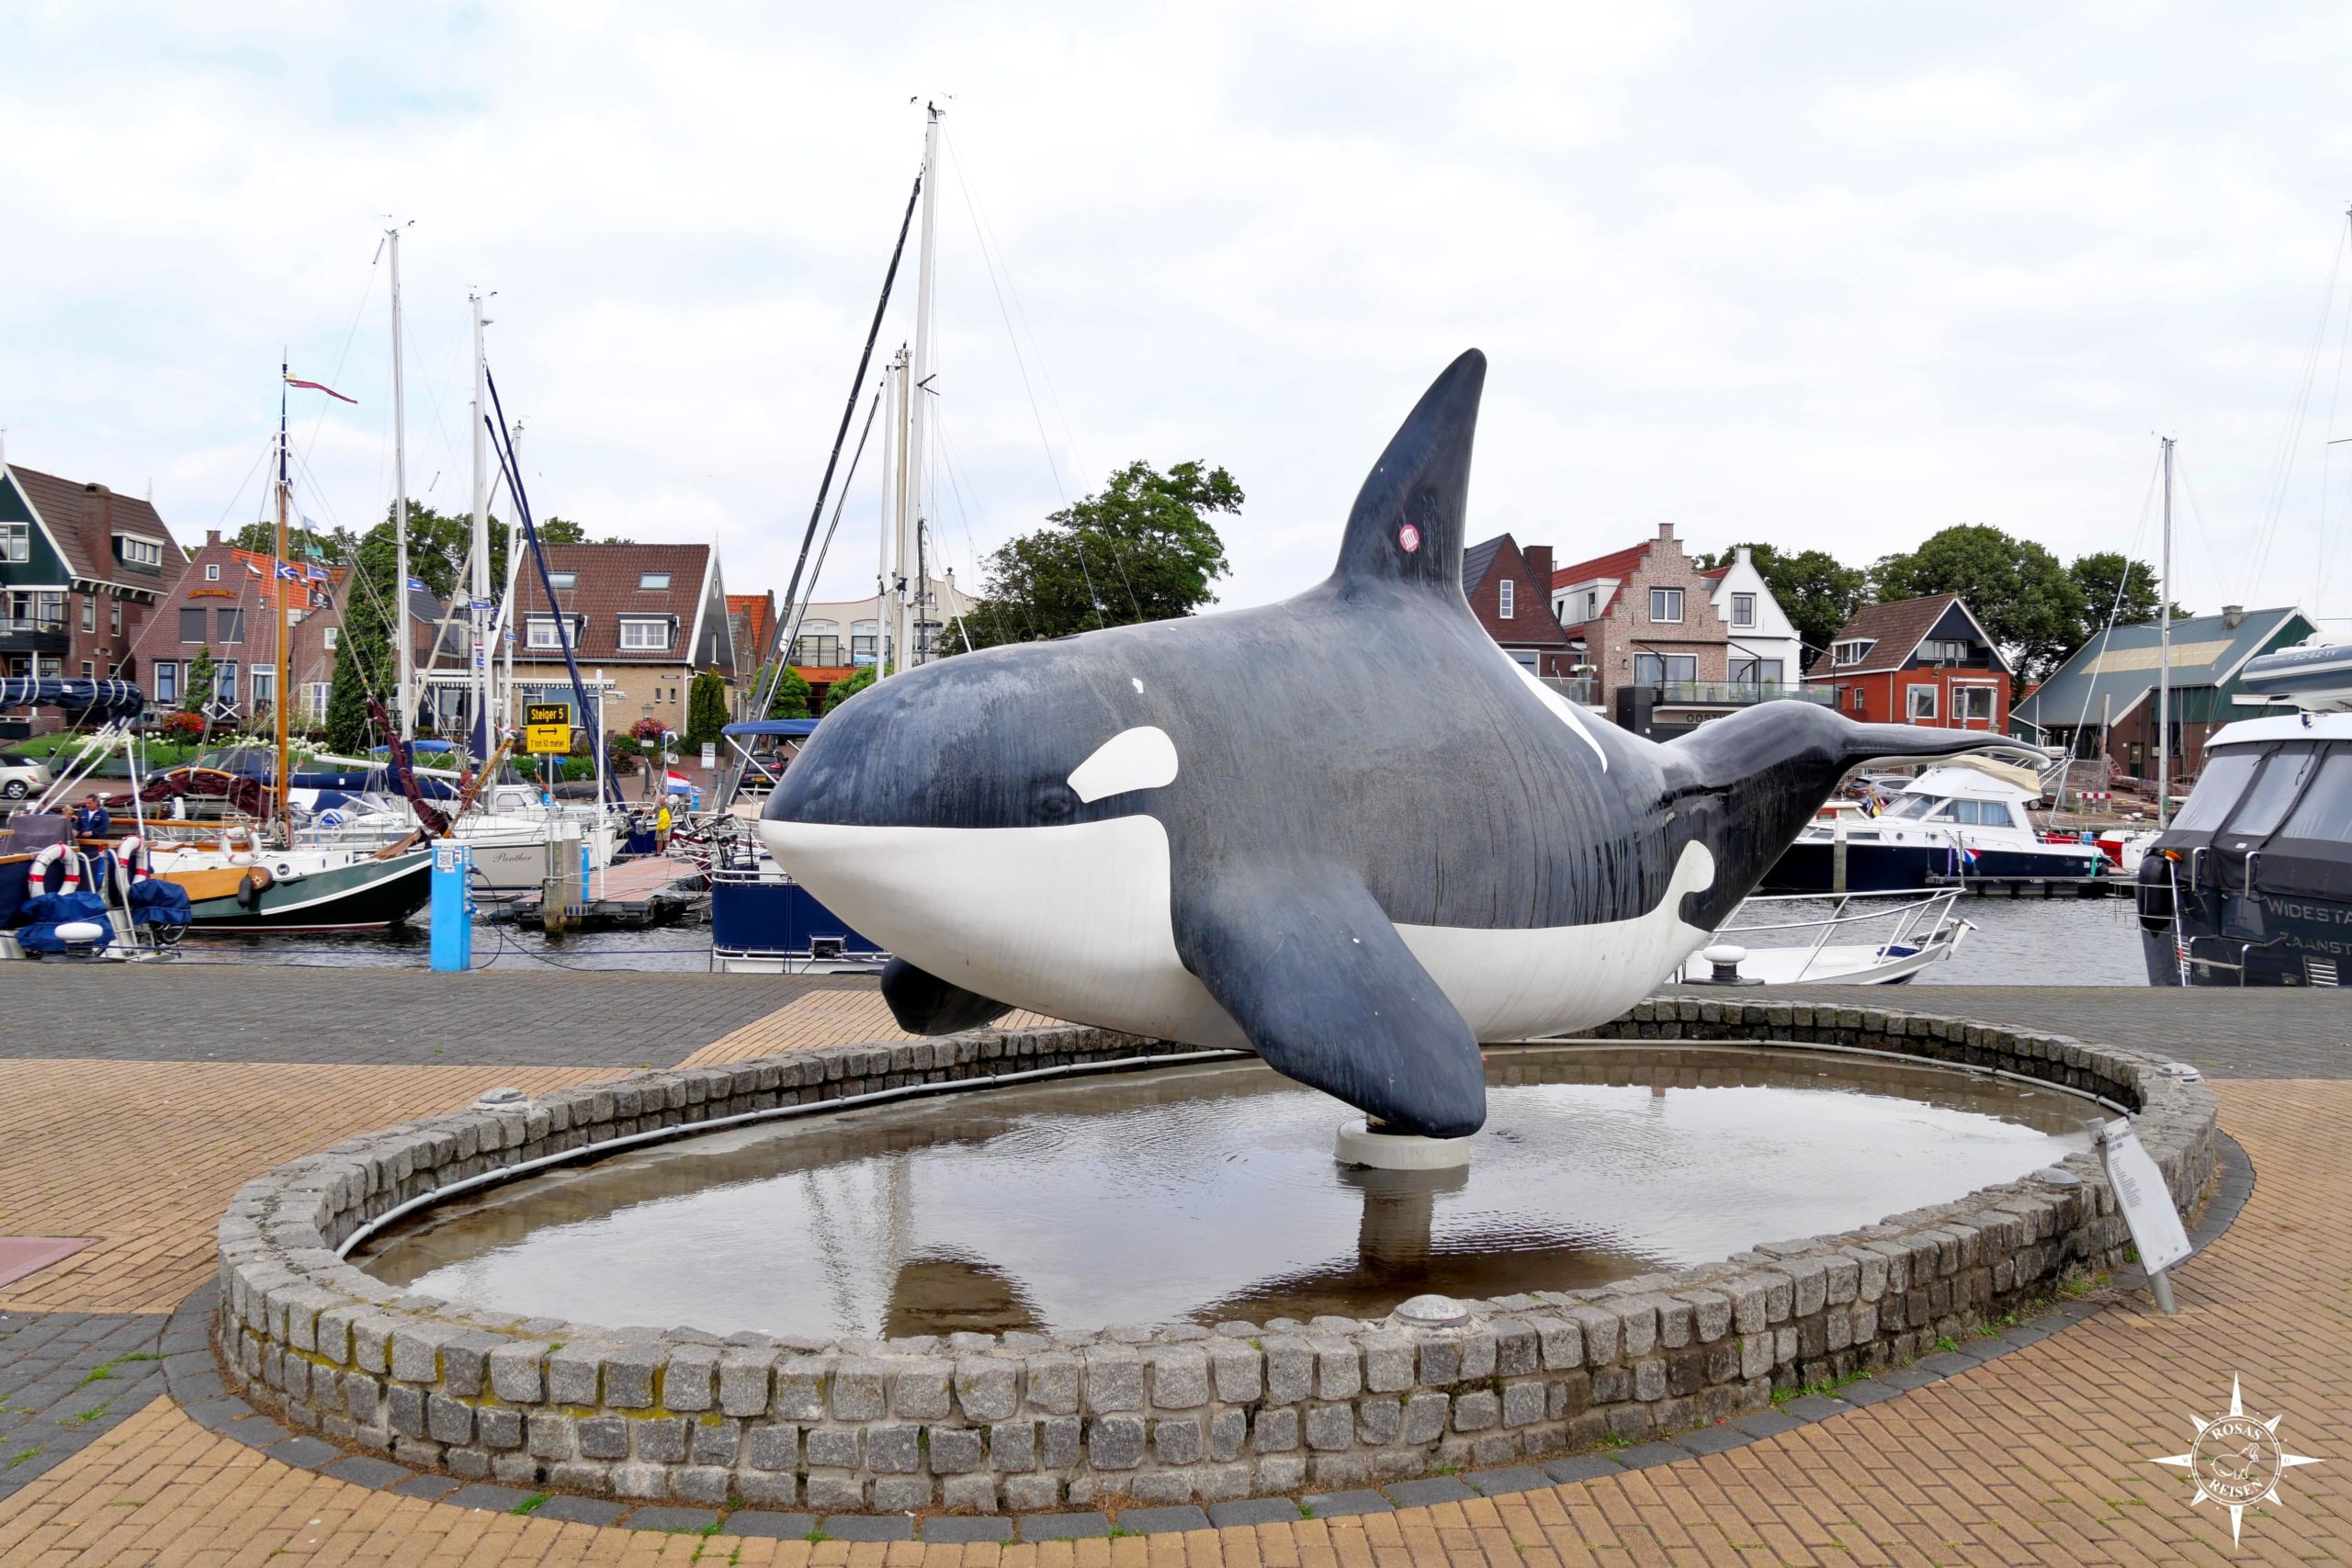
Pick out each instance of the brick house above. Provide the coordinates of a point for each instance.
(1510, 589)
(1647, 625)
(225, 605)
(1926, 661)
(650, 618)
(82, 569)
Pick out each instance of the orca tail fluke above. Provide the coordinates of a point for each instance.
(1407, 524)
(1867, 743)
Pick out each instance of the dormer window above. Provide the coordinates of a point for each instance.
(1852, 651)
(543, 631)
(645, 633)
(146, 554)
(647, 582)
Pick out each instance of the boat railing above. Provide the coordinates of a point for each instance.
(1908, 919)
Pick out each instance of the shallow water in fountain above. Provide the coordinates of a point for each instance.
(1208, 1193)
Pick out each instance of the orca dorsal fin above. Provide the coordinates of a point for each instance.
(1406, 523)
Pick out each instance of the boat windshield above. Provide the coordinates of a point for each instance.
(2267, 803)
(1912, 806)
(2224, 780)
(2327, 810)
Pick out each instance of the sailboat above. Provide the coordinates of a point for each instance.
(259, 878)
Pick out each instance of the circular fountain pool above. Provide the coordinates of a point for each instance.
(1209, 1193)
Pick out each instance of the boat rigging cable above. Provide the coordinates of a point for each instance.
(503, 444)
(771, 656)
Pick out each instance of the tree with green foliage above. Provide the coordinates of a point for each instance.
(706, 709)
(791, 698)
(2112, 583)
(840, 691)
(201, 677)
(1142, 549)
(1817, 592)
(2028, 602)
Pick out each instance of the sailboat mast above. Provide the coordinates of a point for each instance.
(516, 547)
(477, 609)
(918, 394)
(2164, 664)
(277, 588)
(400, 641)
(890, 639)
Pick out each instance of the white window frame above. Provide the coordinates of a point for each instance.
(136, 551)
(1914, 710)
(1661, 598)
(89, 612)
(15, 543)
(1964, 690)
(256, 676)
(1854, 650)
(212, 571)
(1743, 610)
(641, 624)
(1505, 599)
(330, 636)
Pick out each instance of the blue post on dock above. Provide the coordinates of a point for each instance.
(453, 909)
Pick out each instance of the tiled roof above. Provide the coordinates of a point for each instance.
(605, 588)
(1479, 560)
(2114, 671)
(88, 549)
(1618, 564)
(1716, 574)
(758, 611)
(1894, 630)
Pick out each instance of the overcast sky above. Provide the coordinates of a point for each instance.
(1831, 275)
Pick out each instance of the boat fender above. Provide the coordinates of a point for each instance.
(255, 882)
(132, 853)
(79, 933)
(36, 873)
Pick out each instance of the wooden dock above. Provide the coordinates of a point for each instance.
(629, 894)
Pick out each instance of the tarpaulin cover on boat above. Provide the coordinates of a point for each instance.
(109, 699)
(794, 727)
(44, 914)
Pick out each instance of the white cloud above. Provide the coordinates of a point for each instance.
(1829, 277)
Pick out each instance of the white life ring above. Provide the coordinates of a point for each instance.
(132, 853)
(241, 844)
(36, 873)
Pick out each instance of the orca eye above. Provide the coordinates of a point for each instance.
(1055, 801)
(1141, 758)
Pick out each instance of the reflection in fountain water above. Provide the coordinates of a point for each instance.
(1209, 1193)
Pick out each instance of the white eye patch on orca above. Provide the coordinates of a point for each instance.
(1141, 758)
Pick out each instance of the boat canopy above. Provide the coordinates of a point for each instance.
(797, 727)
(112, 699)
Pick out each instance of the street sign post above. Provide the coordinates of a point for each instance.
(546, 728)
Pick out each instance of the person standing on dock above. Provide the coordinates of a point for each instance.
(661, 829)
(91, 821)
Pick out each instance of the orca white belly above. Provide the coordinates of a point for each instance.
(1074, 922)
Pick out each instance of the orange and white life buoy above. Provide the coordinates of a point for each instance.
(36, 873)
(132, 853)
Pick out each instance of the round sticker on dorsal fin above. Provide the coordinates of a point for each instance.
(1409, 537)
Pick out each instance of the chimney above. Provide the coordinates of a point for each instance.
(212, 535)
(1666, 530)
(2233, 615)
(1739, 556)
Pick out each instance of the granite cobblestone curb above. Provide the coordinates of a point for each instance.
(1076, 1423)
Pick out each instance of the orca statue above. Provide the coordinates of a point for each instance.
(1346, 830)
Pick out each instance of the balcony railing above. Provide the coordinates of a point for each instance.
(1736, 694)
(34, 634)
(1576, 689)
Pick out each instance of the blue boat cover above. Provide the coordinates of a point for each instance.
(50, 910)
(109, 699)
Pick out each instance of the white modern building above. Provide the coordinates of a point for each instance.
(1764, 647)
(840, 634)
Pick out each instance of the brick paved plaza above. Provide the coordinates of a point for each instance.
(132, 1126)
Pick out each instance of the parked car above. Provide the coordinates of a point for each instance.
(21, 775)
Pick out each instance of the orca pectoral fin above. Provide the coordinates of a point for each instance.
(1329, 994)
(925, 1004)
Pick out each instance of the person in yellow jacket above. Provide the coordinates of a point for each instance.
(661, 828)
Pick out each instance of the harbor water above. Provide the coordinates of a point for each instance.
(2020, 942)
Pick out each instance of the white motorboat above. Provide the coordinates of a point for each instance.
(1963, 821)
(1856, 939)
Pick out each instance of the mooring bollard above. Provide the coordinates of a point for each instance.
(453, 910)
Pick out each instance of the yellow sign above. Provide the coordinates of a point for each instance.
(546, 728)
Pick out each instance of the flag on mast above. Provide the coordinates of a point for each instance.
(319, 387)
